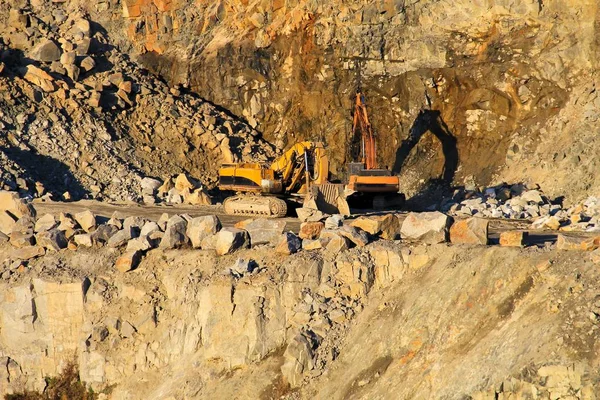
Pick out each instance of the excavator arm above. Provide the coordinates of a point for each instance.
(306, 159)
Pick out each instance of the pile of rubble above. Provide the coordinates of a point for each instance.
(582, 217)
(181, 189)
(513, 202)
(79, 119)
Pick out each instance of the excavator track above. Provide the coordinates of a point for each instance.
(255, 206)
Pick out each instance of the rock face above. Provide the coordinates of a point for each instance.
(426, 227)
(410, 58)
(263, 317)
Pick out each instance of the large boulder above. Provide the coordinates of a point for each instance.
(22, 239)
(470, 231)
(356, 236)
(565, 242)
(10, 202)
(200, 228)
(386, 226)
(104, 233)
(121, 238)
(86, 220)
(263, 231)
(427, 227)
(175, 233)
(229, 240)
(46, 51)
(52, 239)
(513, 238)
(45, 223)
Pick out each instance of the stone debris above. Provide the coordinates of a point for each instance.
(288, 244)
(121, 238)
(512, 202)
(565, 242)
(228, 240)
(45, 223)
(242, 267)
(175, 233)
(83, 239)
(334, 221)
(86, 220)
(22, 239)
(53, 239)
(469, 231)
(310, 230)
(356, 236)
(200, 228)
(180, 189)
(7, 222)
(142, 243)
(14, 205)
(67, 75)
(310, 214)
(430, 227)
(103, 233)
(386, 226)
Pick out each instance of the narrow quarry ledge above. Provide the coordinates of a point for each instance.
(416, 320)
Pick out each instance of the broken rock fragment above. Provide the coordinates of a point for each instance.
(200, 228)
(128, 261)
(427, 227)
(86, 220)
(52, 239)
(470, 231)
(229, 240)
(175, 233)
(288, 244)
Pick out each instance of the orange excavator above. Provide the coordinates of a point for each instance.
(370, 185)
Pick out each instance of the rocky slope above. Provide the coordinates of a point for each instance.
(79, 116)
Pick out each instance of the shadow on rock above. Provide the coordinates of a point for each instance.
(55, 175)
(430, 121)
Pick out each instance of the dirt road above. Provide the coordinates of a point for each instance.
(106, 210)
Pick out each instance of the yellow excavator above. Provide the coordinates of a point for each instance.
(301, 171)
